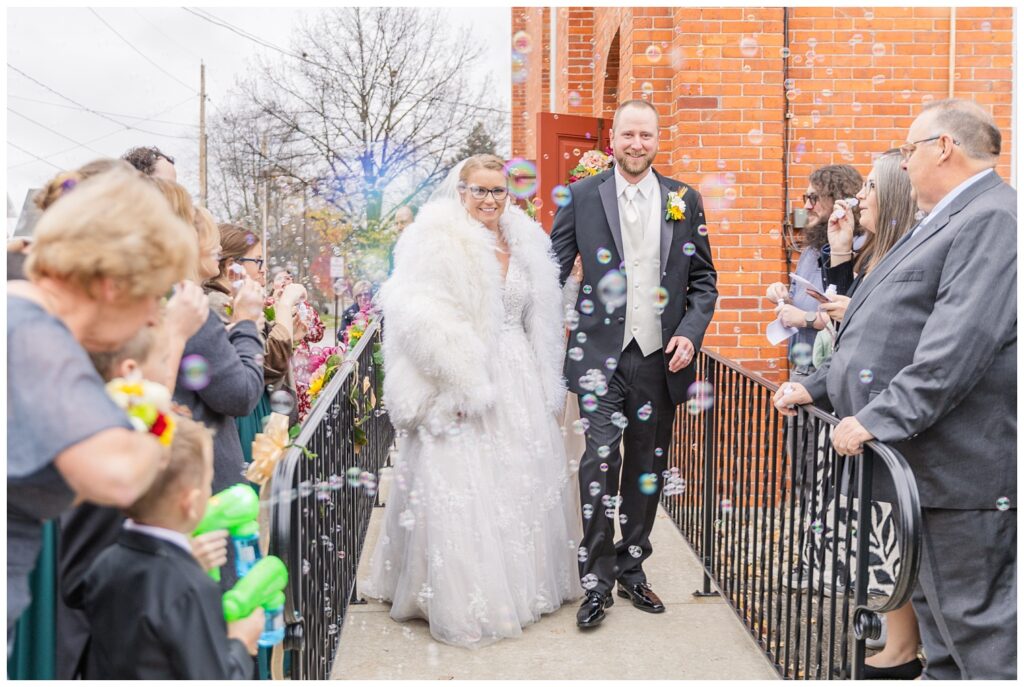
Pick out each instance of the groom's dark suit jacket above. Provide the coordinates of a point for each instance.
(590, 222)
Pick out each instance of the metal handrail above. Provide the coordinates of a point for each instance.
(778, 491)
(907, 497)
(286, 527)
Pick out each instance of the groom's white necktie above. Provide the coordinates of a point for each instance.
(632, 211)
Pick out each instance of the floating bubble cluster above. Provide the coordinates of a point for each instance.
(195, 372)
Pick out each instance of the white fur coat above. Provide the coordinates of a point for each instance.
(443, 312)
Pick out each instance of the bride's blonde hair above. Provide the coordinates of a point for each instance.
(486, 161)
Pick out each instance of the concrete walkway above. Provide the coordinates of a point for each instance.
(694, 638)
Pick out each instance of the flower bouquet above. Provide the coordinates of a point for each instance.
(592, 162)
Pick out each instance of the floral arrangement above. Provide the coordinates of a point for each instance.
(147, 404)
(313, 369)
(675, 207)
(356, 330)
(592, 162)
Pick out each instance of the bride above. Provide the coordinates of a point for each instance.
(482, 525)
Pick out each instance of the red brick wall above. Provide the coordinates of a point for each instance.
(719, 79)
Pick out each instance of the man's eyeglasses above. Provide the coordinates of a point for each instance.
(811, 198)
(258, 261)
(479, 192)
(907, 149)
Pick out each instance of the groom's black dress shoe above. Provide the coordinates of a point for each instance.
(642, 597)
(591, 611)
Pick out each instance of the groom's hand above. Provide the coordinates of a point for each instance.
(681, 350)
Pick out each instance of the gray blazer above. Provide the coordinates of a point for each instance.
(927, 355)
(591, 222)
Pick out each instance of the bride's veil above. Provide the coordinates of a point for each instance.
(449, 188)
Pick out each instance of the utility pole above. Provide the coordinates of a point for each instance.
(202, 134)
(266, 199)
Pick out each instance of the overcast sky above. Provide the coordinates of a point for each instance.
(72, 52)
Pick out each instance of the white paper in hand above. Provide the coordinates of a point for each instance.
(778, 332)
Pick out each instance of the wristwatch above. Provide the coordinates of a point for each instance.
(810, 318)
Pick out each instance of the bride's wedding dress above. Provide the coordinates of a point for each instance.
(482, 525)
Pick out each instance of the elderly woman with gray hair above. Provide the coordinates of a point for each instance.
(67, 439)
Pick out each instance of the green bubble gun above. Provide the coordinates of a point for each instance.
(236, 510)
(262, 586)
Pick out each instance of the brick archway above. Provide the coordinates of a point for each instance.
(610, 90)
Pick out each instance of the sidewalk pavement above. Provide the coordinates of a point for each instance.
(696, 638)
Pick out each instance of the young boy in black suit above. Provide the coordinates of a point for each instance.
(155, 614)
(87, 530)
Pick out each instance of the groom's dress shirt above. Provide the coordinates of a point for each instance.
(641, 245)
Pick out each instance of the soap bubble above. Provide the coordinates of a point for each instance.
(561, 195)
(195, 372)
(801, 354)
(612, 290)
(407, 519)
(644, 412)
(588, 511)
(575, 99)
(620, 420)
(748, 46)
(582, 337)
(817, 527)
(878, 49)
(588, 289)
(648, 483)
(587, 306)
(581, 426)
(604, 256)
(589, 403)
(755, 136)
(689, 249)
(1003, 503)
(702, 230)
(603, 467)
(653, 53)
(702, 394)
(603, 451)
(635, 551)
(575, 353)
(282, 402)
(986, 26)
(611, 364)
(726, 505)
(595, 488)
(659, 294)
(866, 376)
(521, 42)
(522, 174)
(589, 581)
(582, 554)
(784, 52)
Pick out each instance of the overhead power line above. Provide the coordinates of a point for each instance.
(141, 118)
(92, 111)
(41, 159)
(139, 52)
(106, 135)
(54, 131)
(206, 16)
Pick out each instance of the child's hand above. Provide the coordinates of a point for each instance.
(211, 549)
(248, 630)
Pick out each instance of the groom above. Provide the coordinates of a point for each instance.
(647, 296)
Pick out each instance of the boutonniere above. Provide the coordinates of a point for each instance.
(675, 207)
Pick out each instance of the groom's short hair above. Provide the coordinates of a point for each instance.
(642, 104)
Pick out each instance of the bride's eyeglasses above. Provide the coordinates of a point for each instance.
(479, 192)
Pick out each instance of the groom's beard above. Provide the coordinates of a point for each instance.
(634, 165)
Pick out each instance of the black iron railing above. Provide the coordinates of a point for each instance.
(781, 522)
(322, 496)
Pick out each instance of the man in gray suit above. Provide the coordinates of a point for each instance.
(647, 296)
(926, 362)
